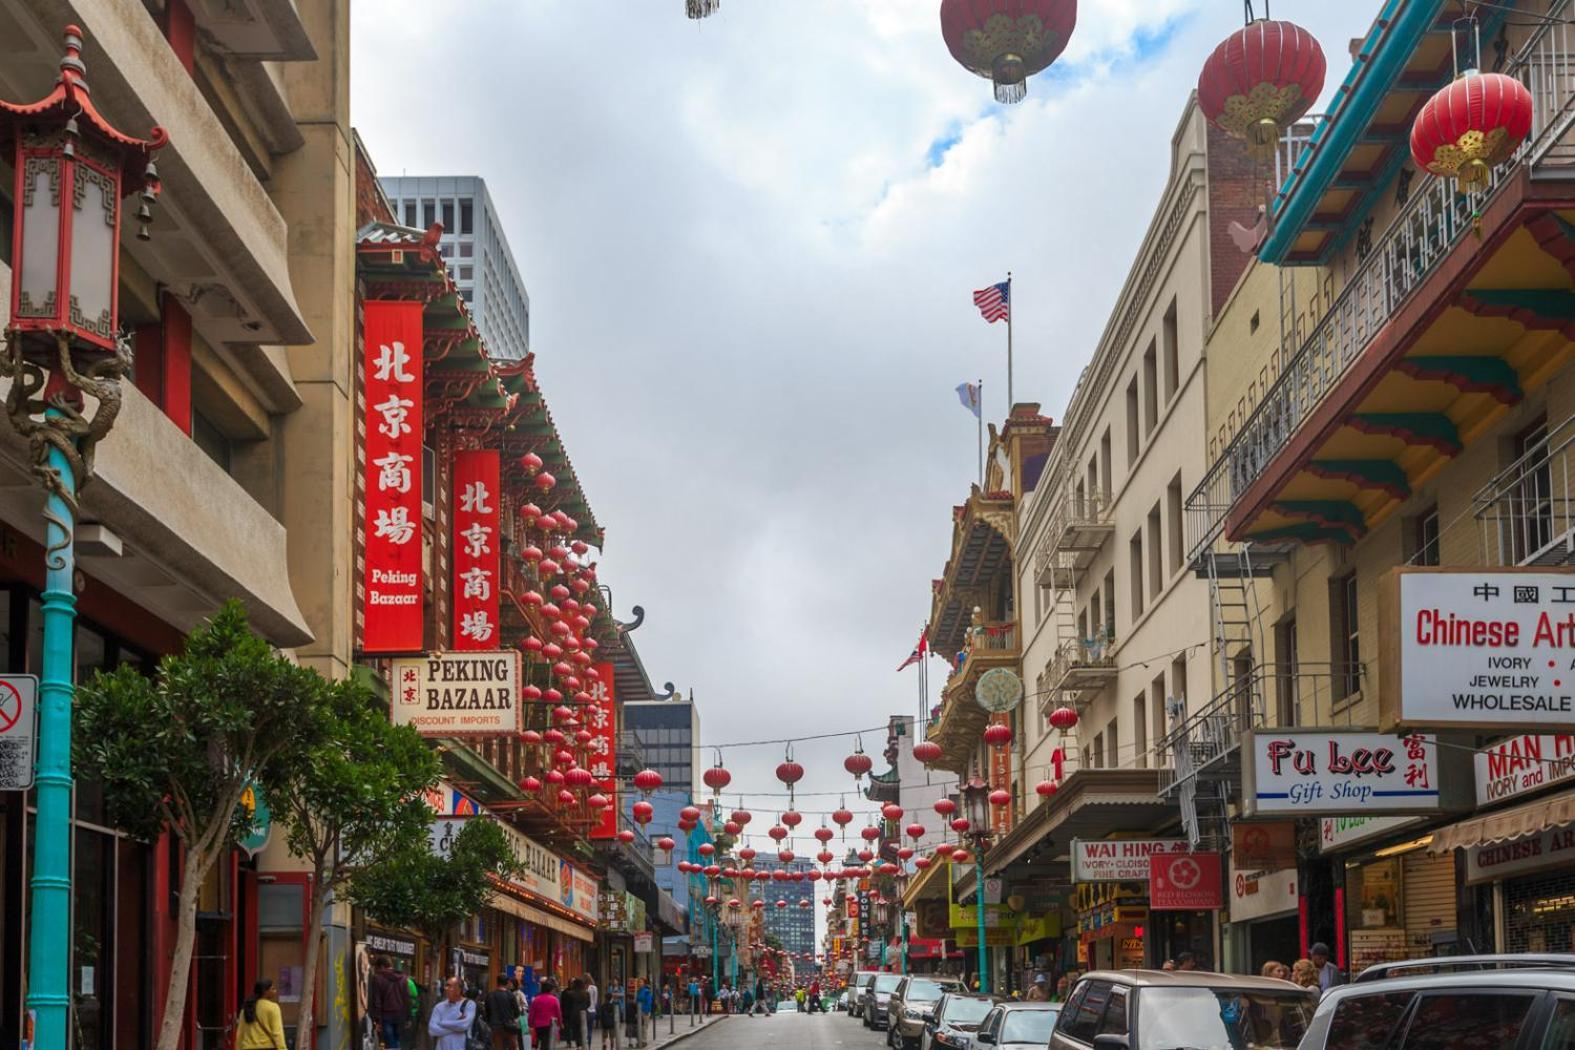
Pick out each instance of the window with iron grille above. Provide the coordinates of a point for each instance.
(1539, 913)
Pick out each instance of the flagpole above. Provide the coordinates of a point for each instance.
(1009, 312)
(979, 418)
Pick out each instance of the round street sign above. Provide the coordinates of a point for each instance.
(999, 690)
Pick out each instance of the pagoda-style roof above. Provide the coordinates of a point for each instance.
(983, 530)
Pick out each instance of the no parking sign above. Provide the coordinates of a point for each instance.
(18, 730)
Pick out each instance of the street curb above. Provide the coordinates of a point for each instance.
(682, 1034)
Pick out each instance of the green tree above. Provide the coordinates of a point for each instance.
(353, 797)
(415, 888)
(177, 753)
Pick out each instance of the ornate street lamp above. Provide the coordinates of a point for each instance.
(976, 804)
(63, 344)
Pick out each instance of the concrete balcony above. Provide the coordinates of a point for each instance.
(191, 536)
(1081, 665)
(220, 245)
(1527, 513)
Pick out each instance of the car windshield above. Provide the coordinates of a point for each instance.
(922, 992)
(887, 982)
(1212, 1019)
(1028, 1026)
(963, 1010)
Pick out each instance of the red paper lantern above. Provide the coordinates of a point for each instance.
(960, 856)
(532, 463)
(785, 856)
(545, 481)
(945, 807)
(746, 854)
(1260, 81)
(778, 832)
(1045, 788)
(642, 812)
(565, 797)
(915, 830)
(742, 816)
(905, 853)
(926, 751)
(1063, 718)
(716, 778)
(960, 825)
(555, 777)
(1470, 127)
(1000, 797)
(921, 862)
(648, 780)
(842, 818)
(530, 784)
(707, 849)
(733, 828)
(666, 844)
(598, 801)
(891, 811)
(997, 735)
(866, 855)
(824, 834)
(858, 764)
(790, 772)
(825, 856)
(689, 814)
(626, 836)
(1007, 41)
(792, 818)
(870, 834)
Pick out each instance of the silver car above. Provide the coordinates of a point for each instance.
(1016, 1026)
(856, 989)
(877, 999)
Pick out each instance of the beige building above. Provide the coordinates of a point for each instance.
(1389, 386)
(228, 472)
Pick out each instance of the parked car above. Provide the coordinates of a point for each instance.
(1111, 1010)
(842, 1001)
(1466, 1001)
(1016, 1026)
(877, 999)
(950, 1024)
(914, 998)
(856, 989)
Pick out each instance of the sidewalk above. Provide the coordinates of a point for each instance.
(681, 1030)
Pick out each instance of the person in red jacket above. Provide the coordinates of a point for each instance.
(546, 1013)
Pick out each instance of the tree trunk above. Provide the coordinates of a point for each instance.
(170, 1028)
(305, 1031)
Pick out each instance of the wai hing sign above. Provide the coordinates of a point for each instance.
(458, 694)
(1119, 860)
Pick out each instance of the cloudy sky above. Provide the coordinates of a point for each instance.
(750, 244)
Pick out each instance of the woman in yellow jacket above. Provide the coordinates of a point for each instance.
(261, 1025)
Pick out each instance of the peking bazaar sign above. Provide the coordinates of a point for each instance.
(476, 550)
(458, 694)
(601, 718)
(1476, 649)
(391, 532)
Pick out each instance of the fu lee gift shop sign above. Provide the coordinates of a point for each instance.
(1318, 772)
(1468, 649)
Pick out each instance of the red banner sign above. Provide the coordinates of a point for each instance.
(476, 548)
(392, 612)
(1001, 777)
(1185, 882)
(601, 718)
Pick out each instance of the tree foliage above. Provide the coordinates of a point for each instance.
(414, 888)
(176, 753)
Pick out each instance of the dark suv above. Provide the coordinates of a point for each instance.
(1463, 1001)
(1163, 1010)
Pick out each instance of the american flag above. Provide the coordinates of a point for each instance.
(995, 302)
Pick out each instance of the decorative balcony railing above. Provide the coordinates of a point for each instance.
(1423, 233)
(1082, 664)
(1527, 513)
(1207, 742)
(1080, 522)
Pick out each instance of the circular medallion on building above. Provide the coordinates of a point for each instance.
(999, 690)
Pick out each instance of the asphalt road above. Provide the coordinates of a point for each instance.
(791, 1031)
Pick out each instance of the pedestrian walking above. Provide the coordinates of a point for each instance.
(546, 1014)
(452, 1017)
(608, 1019)
(694, 996)
(260, 1025)
(1304, 973)
(1329, 974)
(593, 997)
(746, 1003)
(503, 1015)
(1039, 991)
(389, 1002)
(574, 1002)
(522, 1004)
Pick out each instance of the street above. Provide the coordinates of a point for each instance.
(795, 1030)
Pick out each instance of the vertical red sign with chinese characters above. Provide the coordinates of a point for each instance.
(392, 613)
(1001, 777)
(475, 553)
(601, 718)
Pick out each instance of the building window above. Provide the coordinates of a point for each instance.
(1110, 606)
(466, 273)
(412, 219)
(467, 216)
(1150, 389)
(211, 440)
(1156, 714)
(1132, 421)
(1426, 538)
(428, 212)
(1168, 344)
(1287, 695)
(466, 249)
(448, 216)
(1156, 555)
(1346, 634)
(1173, 507)
(1135, 572)
(1531, 508)
(1140, 731)
(1105, 483)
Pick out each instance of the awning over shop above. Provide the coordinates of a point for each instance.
(1531, 818)
(511, 905)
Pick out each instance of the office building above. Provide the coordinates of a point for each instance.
(475, 250)
(669, 731)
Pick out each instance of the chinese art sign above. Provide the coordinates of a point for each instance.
(392, 529)
(458, 694)
(1479, 650)
(475, 553)
(1333, 771)
(601, 718)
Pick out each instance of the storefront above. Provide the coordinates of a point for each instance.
(1398, 902)
(1112, 925)
(1262, 893)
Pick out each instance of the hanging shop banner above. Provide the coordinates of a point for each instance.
(1268, 845)
(1549, 848)
(1001, 773)
(1524, 763)
(1470, 649)
(392, 613)
(458, 694)
(1118, 860)
(1257, 894)
(446, 800)
(1185, 882)
(601, 718)
(1337, 833)
(1332, 771)
(475, 551)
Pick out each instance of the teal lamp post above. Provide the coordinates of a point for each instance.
(976, 803)
(63, 345)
